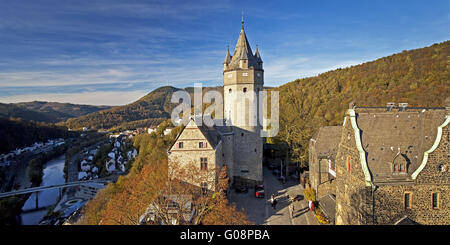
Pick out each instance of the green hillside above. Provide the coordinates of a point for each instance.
(419, 77)
(15, 111)
(61, 111)
(149, 110)
(50, 112)
(29, 133)
(155, 105)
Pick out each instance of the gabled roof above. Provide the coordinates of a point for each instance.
(390, 137)
(210, 133)
(406, 221)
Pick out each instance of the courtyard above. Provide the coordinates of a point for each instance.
(260, 211)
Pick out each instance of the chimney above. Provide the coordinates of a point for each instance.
(402, 106)
(390, 105)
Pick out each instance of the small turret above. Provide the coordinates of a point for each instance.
(227, 59)
(258, 58)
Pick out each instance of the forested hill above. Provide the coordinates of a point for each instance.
(150, 109)
(49, 112)
(420, 77)
(15, 111)
(61, 111)
(18, 133)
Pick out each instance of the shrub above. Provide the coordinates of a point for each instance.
(310, 194)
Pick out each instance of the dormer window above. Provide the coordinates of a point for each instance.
(399, 168)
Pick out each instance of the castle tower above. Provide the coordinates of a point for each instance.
(243, 79)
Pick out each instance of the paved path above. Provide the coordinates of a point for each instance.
(261, 212)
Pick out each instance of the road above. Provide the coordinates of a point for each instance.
(260, 211)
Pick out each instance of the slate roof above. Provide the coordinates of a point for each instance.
(328, 205)
(386, 133)
(211, 135)
(326, 141)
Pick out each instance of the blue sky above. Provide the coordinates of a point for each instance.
(113, 52)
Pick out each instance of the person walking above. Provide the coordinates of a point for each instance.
(273, 201)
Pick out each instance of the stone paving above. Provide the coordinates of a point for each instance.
(261, 212)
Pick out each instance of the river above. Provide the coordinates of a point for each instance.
(53, 174)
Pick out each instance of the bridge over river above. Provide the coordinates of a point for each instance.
(49, 187)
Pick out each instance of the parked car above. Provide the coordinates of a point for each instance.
(259, 191)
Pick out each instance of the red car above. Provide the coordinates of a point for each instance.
(259, 191)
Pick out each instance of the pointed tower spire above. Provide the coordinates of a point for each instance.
(257, 55)
(228, 56)
(243, 56)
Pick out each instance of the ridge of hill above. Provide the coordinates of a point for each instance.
(153, 107)
(62, 111)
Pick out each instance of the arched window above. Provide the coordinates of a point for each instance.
(245, 90)
(229, 90)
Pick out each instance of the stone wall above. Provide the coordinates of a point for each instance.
(191, 153)
(390, 204)
(352, 203)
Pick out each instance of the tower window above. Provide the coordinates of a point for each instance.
(435, 200)
(229, 90)
(245, 74)
(180, 144)
(245, 90)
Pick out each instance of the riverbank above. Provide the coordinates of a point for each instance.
(53, 174)
(11, 207)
